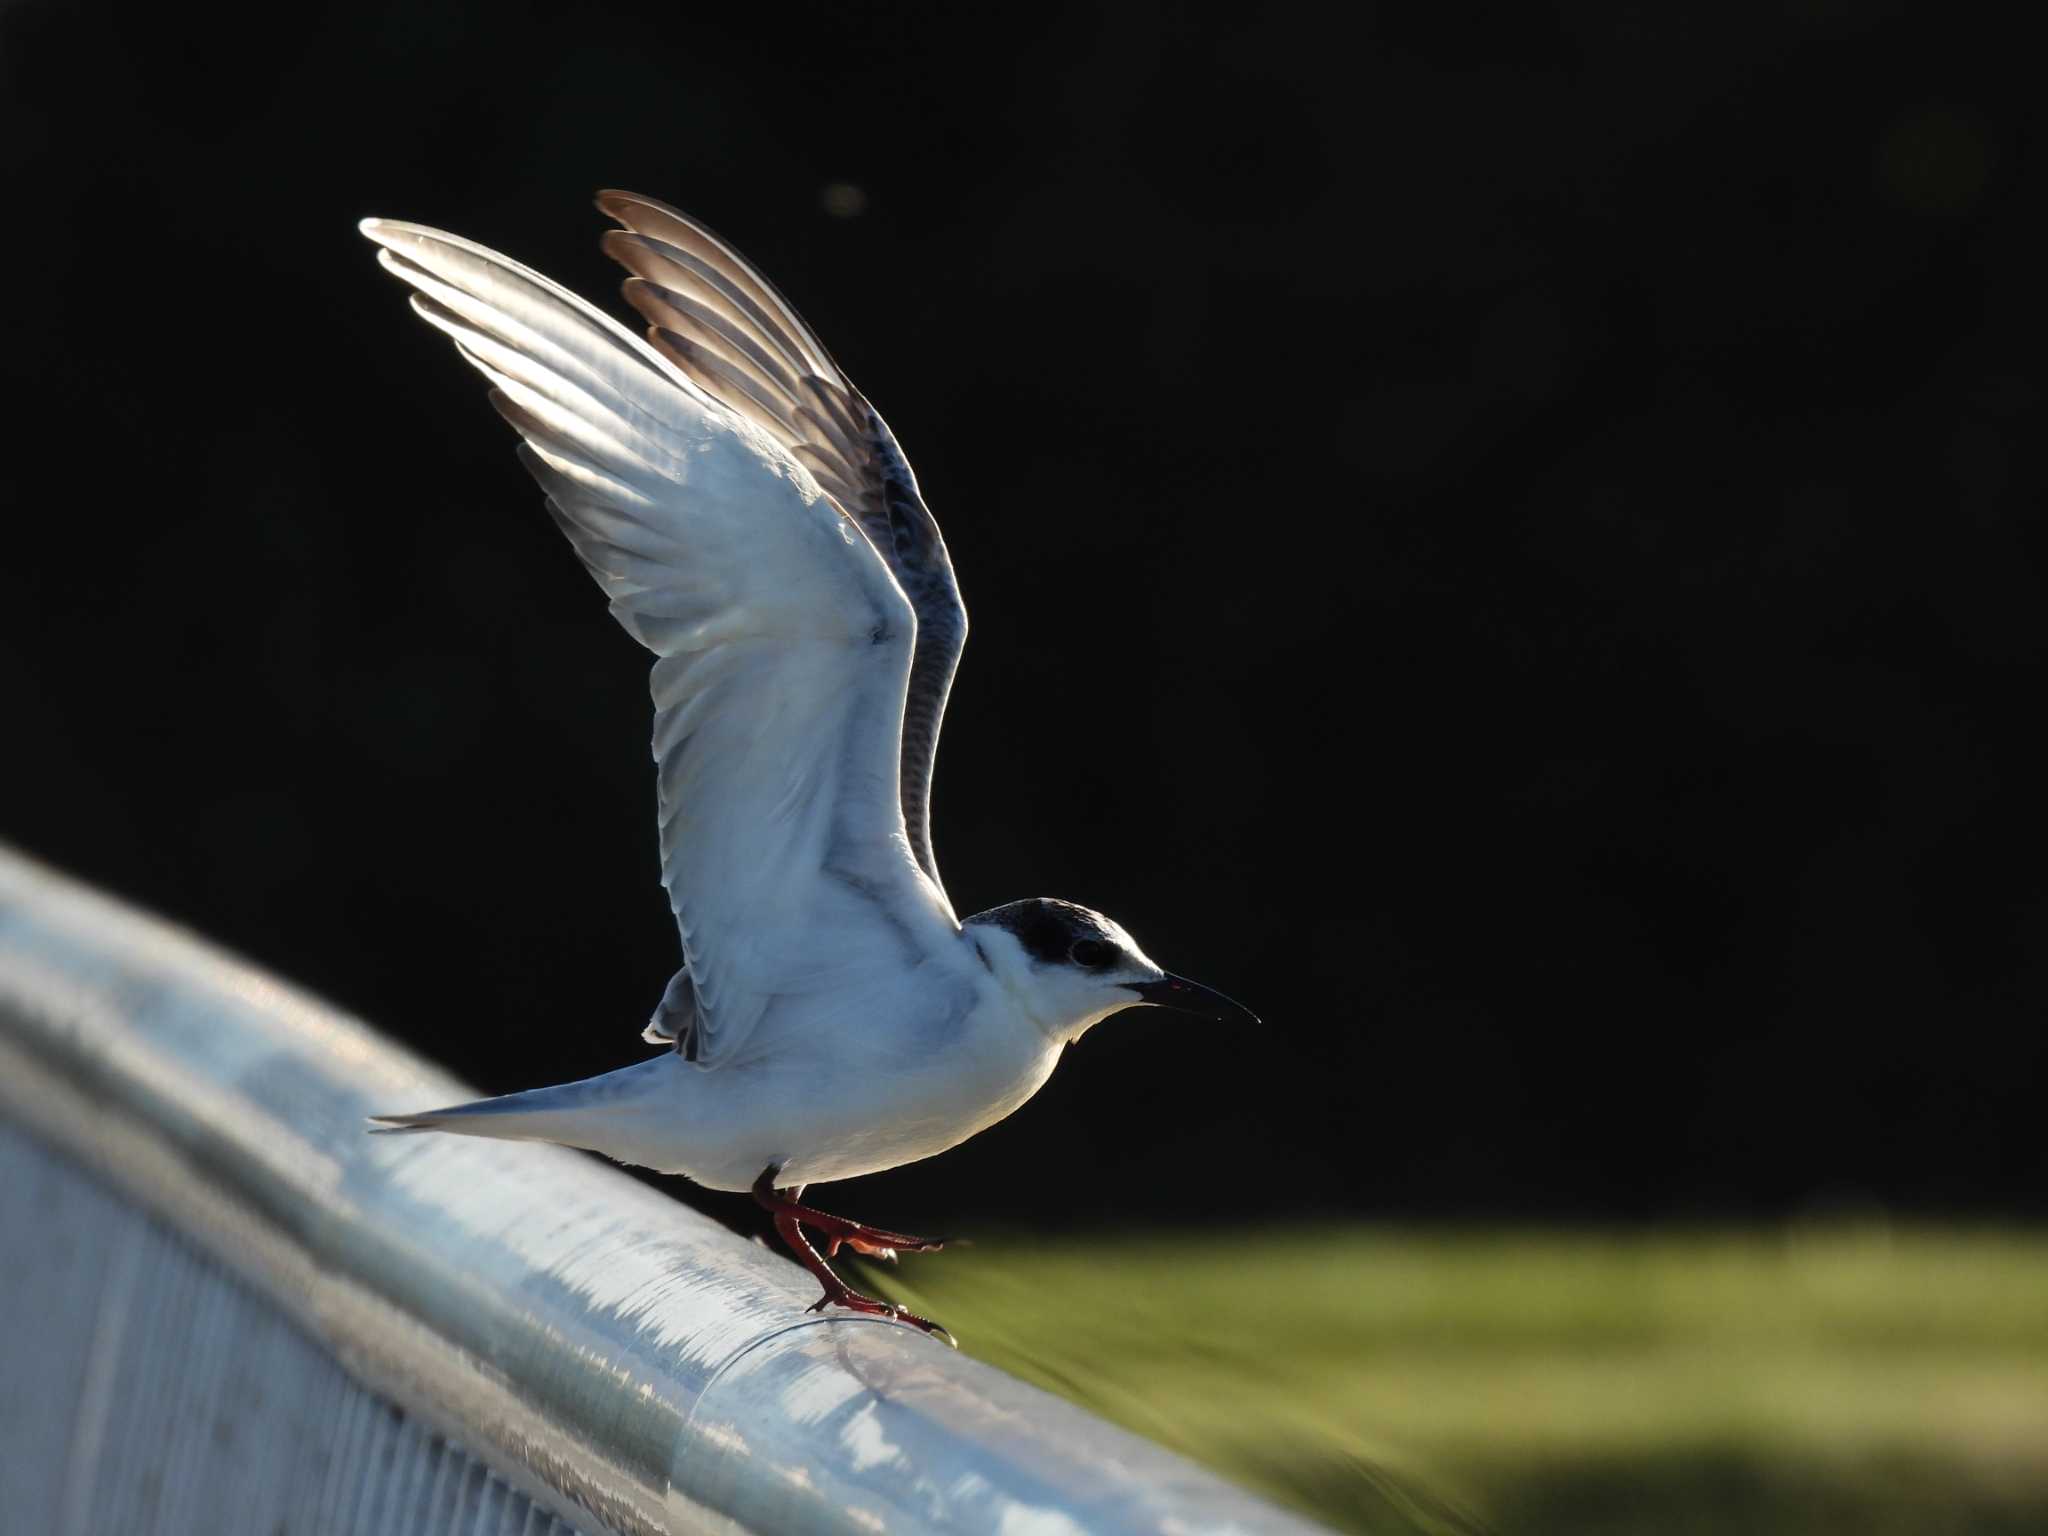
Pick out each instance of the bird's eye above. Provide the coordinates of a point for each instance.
(1092, 954)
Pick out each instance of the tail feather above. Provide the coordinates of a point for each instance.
(589, 1114)
(400, 1125)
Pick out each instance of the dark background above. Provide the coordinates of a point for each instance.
(1508, 539)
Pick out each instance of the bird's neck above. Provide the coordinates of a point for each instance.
(1007, 986)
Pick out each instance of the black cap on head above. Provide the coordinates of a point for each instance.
(1048, 928)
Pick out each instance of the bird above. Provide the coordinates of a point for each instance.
(755, 525)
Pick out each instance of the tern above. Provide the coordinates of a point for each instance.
(755, 525)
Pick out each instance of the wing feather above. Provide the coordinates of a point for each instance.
(783, 642)
(724, 326)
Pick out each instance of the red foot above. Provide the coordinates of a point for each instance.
(877, 1242)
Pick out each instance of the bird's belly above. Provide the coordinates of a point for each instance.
(818, 1125)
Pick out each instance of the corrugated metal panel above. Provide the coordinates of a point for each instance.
(147, 1389)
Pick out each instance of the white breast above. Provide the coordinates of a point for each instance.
(849, 1107)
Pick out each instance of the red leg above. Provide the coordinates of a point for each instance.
(875, 1242)
(790, 1220)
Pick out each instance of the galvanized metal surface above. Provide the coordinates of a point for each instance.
(147, 1389)
(627, 1364)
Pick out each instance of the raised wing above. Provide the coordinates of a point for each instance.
(783, 643)
(720, 321)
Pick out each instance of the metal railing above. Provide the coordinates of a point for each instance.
(232, 1309)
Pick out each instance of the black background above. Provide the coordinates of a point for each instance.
(1508, 539)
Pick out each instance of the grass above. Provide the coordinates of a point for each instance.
(1809, 1379)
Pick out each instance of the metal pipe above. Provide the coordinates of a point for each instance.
(626, 1362)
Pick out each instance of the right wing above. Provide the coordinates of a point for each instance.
(783, 643)
(713, 315)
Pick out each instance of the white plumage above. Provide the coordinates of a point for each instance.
(753, 523)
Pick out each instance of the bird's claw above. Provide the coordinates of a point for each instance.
(853, 1301)
(878, 1243)
(936, 1330)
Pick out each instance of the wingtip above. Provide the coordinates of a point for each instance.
(394, 234)
(385, 234)
(616, 202)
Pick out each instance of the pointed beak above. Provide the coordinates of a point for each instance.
(1184, 996)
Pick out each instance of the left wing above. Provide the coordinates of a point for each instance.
(783, 642)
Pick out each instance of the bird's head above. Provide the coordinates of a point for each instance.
(1070, 968)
